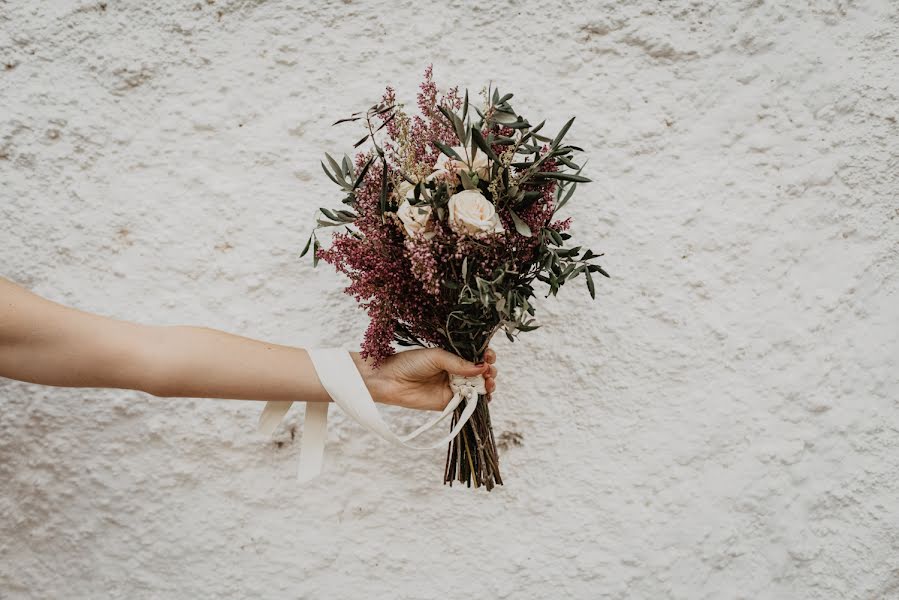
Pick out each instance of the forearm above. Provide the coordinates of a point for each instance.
(51, 344)
(185, 361)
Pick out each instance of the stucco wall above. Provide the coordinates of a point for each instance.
(720, 423)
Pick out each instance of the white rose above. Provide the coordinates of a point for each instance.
(470, 213)
(415, 218)
(404, 190)
(479, 165)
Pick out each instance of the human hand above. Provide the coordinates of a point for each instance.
(419, 378)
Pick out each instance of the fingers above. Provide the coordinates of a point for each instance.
(490, 356)
(490, 374)
(490, 379)
(456, 365)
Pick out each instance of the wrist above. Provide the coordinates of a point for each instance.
(372, 377)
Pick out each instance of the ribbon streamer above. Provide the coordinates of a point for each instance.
(343, 382)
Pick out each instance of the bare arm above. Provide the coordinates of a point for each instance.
(51, 344)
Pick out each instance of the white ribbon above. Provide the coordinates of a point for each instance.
(343, 382)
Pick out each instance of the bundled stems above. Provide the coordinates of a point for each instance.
(471, 457)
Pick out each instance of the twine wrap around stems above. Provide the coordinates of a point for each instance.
(341, 379)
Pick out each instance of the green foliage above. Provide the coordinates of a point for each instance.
(484, 303)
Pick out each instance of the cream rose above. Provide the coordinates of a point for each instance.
(480, 164)
(415, 218)
(471, 213)
(404, 190)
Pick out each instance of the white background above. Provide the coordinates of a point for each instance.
(720, 423)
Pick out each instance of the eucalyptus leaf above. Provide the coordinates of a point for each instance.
(519, 123)
(504, 118)
(478, 139)
(564, 200)
(331, 177)
(520, 226)
(383, 198)
(306, 247)
(567, 163)
(315, 248)
(334, 166)
(561, 176)
(597, 268)
(363, 172)
(562, 132)
(447, 150)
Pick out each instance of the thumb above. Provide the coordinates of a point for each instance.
(456, 364)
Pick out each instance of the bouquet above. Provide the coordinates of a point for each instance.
(449, 220)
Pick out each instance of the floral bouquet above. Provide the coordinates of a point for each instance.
(448, 222)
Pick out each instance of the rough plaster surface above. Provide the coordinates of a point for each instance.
(721, 423)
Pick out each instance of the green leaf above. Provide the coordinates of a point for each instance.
(334, 166)
(519, 123)
(561, 176)
(567, 163)
(383, 199)
(447, 150)
(536, 128)
(504, 118)
(306, 247)
(598, 269)
(590, 284)
(331, 177)
(363, 172)
(329, 214)
(528, 198)
(315, 248)
(459, 126)
(478, 139)
(455, 121)
(520, 226)
(562, 133)
(347, 119)
(556, 236)
(566, 198)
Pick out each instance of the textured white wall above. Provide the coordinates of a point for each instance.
(720, 423)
